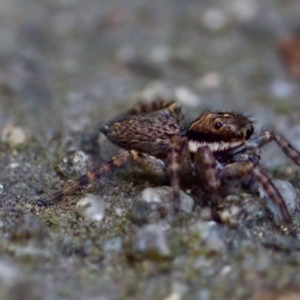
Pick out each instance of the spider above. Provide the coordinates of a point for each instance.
(216, 148)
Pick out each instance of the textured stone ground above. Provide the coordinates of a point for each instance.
(68, 65)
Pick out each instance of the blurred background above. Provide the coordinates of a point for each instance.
(70, 63)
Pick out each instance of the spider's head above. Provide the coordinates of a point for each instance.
(221, 131)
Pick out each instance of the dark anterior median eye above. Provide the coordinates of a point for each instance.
(218, 125)
(249, 133)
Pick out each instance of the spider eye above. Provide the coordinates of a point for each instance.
(218, 125)
(249, 133)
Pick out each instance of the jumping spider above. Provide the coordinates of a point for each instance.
(217, 147)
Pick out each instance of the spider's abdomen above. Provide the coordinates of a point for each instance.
(148, 133)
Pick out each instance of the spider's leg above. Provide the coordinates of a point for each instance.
(287, 148)
(261, 176)
(156, 105)
(90, 177)
(238, 170)
(177, 145)
(283, 143)
(206, 166)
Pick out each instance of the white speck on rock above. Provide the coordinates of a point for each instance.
(79, 156)
(80, 161)
(288, 194)
(157, 195)
(14, 165)
(13, 135)
(91, 207)
(225, 270)
(230, 215)
(1, 188)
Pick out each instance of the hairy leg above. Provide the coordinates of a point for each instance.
(90, 177)
(206, 169)
(283, 143)
(177, 146)
(159, 104)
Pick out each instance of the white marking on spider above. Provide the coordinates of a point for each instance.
(215, 146)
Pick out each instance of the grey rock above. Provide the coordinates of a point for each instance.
(91, 207)
(114, 244)
(13, 135)
(151, 240)
(208, 232)
(159, 195)
(80, 161)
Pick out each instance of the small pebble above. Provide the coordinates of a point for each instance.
(211, 80)
(13, 135)
(208, 232)
(8, 273)
(173, 296)
(151, 240)
(243, 10)
(180, 94)
(80, 161)
(288, 193)
(186, 97)
(14, 165)
(161, 54)
(114, 244)
(1, 188)
(283, 89)
(91, 207)
(204, 294)
(230, 215)
(214, 19)
(158, 195)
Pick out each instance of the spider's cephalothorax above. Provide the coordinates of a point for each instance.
(220, 131)
(217, 147)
